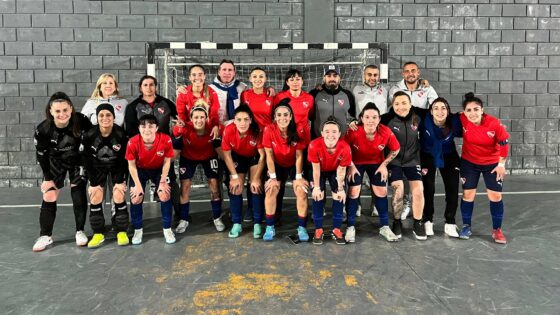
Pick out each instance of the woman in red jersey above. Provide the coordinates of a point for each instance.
(301, 102)
(244, 154)
(368, 143)
(195, 144)
(485, 150)
(198, 89)
(329, 157)
(149, 157)
(284, 152)
(258, 99)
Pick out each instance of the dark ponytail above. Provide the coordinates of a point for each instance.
(470, 98)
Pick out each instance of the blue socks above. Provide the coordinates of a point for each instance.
(184, 212)
(216, 208)
(337, 208)
(302, 221)
(136, 216)
(270, 218)
(382, 205)
(352, 208)
(235, 205)
(258, 207)
(166, 213)
(317, 207)
(466, 211)
(497, 212)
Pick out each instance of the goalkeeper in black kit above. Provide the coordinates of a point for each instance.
(104, 147)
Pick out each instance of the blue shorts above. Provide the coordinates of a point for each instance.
(153, 175)
(188, 167)
(369, 169)
(399, 173)
(470, 173)
(243, 163)
(331, 177)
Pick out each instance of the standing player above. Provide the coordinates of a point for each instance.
(404, 122)
(106, 91)
(57, 140)
(196, 145)
(244, 154)
(257, 98)
(485, 150)
(368, 144)
(284, 153)
(104, 148)
(149, 157)
(329, 157)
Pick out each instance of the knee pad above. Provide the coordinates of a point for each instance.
(121, 217)
(96, 218)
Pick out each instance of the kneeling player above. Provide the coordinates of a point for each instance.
(149, 156)
(104, 148)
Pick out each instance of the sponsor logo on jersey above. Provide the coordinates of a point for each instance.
(293, 144)
(160, 153)
(381, 147)
(145, 111)
(463, 180)
(182, 170)
(267, 102)
(490, 134)
(273, 143)
(465, 130)
(161, 110)
(396, 128)
(424, 171)
(116, 147)
(341, 102)
(305, 104)
(356, 146)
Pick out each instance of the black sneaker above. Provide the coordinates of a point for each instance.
(419, 231)
(318, 237)
(397, 228)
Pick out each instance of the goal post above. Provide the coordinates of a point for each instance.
(169, 61)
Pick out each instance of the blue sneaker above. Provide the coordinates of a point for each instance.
(302, 234)
(465, 232)
(269, 233)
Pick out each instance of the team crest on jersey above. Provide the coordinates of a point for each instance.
(424, 171)
(490, 134)
(420, 94)
(116, 147)
(293, 144)
(161, 110)
(413, 127)
(380, 91)
(381, 147)
(160, 153)
(341, 102)
(305, 104)
(267, 102)
(252, 143)
(118, 107)
(182, 170)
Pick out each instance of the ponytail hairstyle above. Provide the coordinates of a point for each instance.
(448, 124)
(291, 74)
(204, 85)
(244, 108)
(292, 128)
(369, 106)
(470, 98)
(74, 122)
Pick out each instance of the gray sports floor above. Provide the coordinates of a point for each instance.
(207, 273)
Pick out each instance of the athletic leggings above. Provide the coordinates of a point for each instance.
(450, 176)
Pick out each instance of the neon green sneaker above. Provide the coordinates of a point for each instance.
(122, 239)
(257, 230)
(235, 230)
(96, 240)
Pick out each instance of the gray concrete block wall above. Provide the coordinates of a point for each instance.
(507, 51)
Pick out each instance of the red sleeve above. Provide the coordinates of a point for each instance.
(131, 151)
(243, 96)
(346, 156)
(168, 146)
(214, 108)
(312, 154)
(260, 141)
(301, 145)
(182, 107)
(225, 139)
(349, 136)
(266, 137)
(277, 98)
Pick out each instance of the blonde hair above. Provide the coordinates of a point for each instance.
(97, 91)
(202, 105)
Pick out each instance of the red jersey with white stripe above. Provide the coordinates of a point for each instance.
(185, 103)
(260, 105)
(342, 155)
(366, 151)
(247, 146)
(197, 147)
(149, 159)
(302, 106)
(484, 144)
(284, 152)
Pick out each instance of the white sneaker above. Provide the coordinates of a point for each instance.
(406, 211)
(42, 243)
(451, 230)
(386, 232)
(137, 237)
(169, 236)
(219, 225)
(374, 212)
(359, 211)
(81, 238)
(182, 226)
(350, 235)
(429, 227)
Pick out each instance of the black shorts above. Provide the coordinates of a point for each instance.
(188, 167)
(369, 169)
(243, 163)
(284, 173)
(400, 173)
(99, 177)
(59, 169)
(331, 178)
(470, 173)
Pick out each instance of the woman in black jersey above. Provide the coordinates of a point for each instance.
(104, 147)
(57, 140)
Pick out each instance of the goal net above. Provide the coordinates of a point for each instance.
(169, 62)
